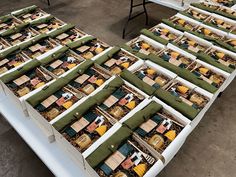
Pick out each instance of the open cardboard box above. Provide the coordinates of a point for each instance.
(163, 33)
(221, 23)
(228, 54)
(30, 14)
(11, 60)
(47, 24)
(8, 22)
(89, 47)
(86, 108)
(162, 158)
(19, 35)
(217, 71)
(117, 59)
(160, 78)
(200, 45)
(40, 47)
(196, 13)
(21, 72)
(67, 34)
(152, 46)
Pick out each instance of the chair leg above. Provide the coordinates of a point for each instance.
(49, 3)
(129, 17)
(145, 11)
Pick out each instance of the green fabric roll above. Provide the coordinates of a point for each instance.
(32, 41)
(154, 37)
(54, 55)
(74, 114)
(42, 20)
(102, 59)
(176, 103)
(206, 58)
(16, 29)
(225, 45)
(25, 10)
(20, 71)
(46, 92)
(143, 115)
(132, 78)
(8, 51)
(79, 70)
(5, 18)
(90, 102)
(61, 30)
(178, 27)
(80, 42)
(214, 26)
(108, 147)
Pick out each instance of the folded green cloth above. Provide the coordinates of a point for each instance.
(42, 20)
(8, 51)
(143, 115)
(6, 18)
(80, 42)
(206, 58)
(182, 72)
(154, 37)
(79, 70)
(25, 10)
(108, 147)
(225, 45)
(33, 41)
(20, 71)
(17, 29)
(106, 56)
(54, 55)
(164, 95)
(46, 92)
(61, 30)
(90, 102)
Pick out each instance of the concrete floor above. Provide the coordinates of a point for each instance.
(210, 150)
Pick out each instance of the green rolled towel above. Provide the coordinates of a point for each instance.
(54, 55)
(20, 71)
(16, 29)
(25, 10)
(33, 41)
(61, 30)
(42, 20)
(143, 115)
(206, 58)
(132, 78)
(178, 27)
(154, 37)
(108, 147)
(8, 52)
(80, 42)
(5, 18)
(102, 59)
(46, 92)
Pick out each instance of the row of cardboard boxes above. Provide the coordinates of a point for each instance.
(88, 109)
